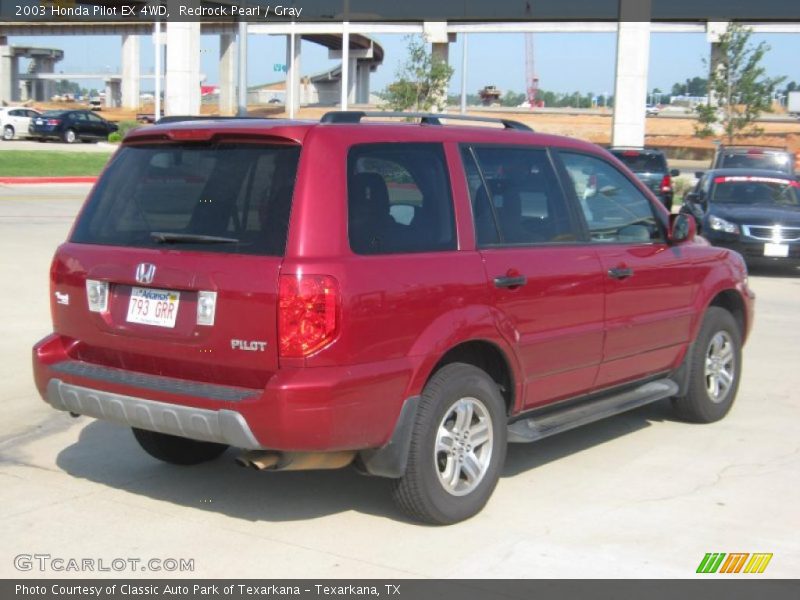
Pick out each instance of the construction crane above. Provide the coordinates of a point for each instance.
(531, 78)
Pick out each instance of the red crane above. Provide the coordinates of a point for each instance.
(531, 79)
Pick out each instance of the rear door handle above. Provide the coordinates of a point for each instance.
(620, 272)
(510, 282)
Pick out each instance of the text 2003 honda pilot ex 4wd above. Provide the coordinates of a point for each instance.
(404, 297)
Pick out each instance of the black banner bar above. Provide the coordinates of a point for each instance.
(271, 11)
(712, 588)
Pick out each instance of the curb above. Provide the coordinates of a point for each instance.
(17, 180)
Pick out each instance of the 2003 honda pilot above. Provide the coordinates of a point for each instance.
(405, 297)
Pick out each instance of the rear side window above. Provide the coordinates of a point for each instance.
(642, 162)
(399, 199)
(236, 195)
(516, 197)
(615, 210)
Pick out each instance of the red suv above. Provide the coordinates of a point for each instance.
(403, 297)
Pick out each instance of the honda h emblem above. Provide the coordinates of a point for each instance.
(145, 273)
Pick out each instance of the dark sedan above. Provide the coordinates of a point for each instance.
(71, 126)
(650, 166)
(755, 212)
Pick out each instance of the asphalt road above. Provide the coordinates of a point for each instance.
(638, 495)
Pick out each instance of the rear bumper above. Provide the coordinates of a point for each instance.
(316, 409)
(221, 426)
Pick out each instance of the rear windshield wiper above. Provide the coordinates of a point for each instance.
(163, 237)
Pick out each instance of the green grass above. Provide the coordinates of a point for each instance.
(43, 163)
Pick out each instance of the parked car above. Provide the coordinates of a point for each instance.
(404, 298)
(651, 110)
(15, 121)
(756, 213)
(650, 166)
(755, 157)
(71, 126)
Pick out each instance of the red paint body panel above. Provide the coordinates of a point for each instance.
(569, 331)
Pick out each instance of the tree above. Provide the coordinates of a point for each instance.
(513, 98)
(739, 90)
(422, 81)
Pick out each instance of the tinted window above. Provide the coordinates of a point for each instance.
(780, 161)
(240, 192)
(755, 190)
(641, 162)
(399, 199)
(615, 210)
(94, 118)
(516, 198)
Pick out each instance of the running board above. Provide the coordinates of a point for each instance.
(536, 427)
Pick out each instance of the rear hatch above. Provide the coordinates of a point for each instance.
(649, 167)
(185, 240)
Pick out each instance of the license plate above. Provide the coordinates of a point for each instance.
(776, 250)
(153, 307)
(39, 122)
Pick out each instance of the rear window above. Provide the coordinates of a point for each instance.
(756, 159)
(225, 197)
(642, 163)
(399, 199)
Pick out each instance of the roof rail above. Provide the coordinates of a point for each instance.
(355, 116)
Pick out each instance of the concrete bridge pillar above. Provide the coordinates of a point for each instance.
(43, 89)
(182, 92)
(227, 74)
(130, 71)
(362, 82)
(630, 87)
(436, 33)
(9, 72)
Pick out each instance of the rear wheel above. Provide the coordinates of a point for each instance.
(69, 136)
(714, 369)
(8, 133)
(177, 450)
(458, 447)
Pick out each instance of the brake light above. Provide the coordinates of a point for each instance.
(53, 122)
(308, 320)
(630, 153)
(191, 135)
(666, 184)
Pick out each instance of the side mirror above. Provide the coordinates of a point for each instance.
(699, 174)
(692, 198)
(682, 228)
(674, 172)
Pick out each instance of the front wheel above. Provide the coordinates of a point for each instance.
(177, 450)
(8, 133)
(458, 447)
(715, 366)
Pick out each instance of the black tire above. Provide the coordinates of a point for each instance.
(699, 404)
(8, 133)
(421, 493)
(177, 450)
(69, 136)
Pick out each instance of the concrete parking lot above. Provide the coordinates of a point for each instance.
(638, 495)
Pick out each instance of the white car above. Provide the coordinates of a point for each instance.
(651, 110)
(15, 121)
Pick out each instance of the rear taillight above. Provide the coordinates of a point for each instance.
(53, 122)
(308, 319)
(97, 295)
(666, 184)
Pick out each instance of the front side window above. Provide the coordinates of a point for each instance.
(399, 199)
(613, 207)
(516, 197)
(221, 197)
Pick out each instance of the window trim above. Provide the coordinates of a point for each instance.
(574, 218)
(573, 198)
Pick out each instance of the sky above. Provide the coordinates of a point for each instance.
(564, 62)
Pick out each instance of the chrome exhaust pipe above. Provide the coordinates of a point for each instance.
(262, 460)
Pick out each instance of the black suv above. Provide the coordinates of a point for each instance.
(650, 166)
